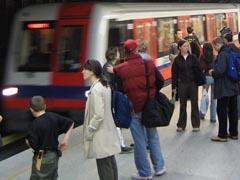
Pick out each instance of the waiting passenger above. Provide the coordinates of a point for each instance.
(100, 133)
(183, 79)
(193, 41)
(43, 139)
(142, 50)
(113, 58)
(132, 74)
(207, 62)
(174, 51)
(225, 91)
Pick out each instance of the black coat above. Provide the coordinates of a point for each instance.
(182, 70)
(223, 85)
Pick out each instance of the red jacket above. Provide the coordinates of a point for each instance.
(132, 74)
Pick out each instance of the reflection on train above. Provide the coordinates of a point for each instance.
(50, 43)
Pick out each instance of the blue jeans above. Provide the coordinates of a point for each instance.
(140, 147)
(205, 100)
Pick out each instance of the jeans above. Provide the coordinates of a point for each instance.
(140, 147)
(205, 100)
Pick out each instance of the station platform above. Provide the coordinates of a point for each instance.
(188, 156)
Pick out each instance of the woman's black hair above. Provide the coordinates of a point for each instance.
(207, 55)
(181, 42)
(96, 68)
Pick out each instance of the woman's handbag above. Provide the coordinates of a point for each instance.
(158, 110)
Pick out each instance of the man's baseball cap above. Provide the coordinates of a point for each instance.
(130, 44)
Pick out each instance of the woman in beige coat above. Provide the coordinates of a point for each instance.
(100, 135)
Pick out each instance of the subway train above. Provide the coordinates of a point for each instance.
(50, 43)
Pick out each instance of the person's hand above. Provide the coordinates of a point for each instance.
(210, 72)
(63, 145)
(89, 134)
(110, 69)
(174, 91)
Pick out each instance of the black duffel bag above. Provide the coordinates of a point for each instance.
(157, 112)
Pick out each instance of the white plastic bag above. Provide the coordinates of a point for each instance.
(204, 102)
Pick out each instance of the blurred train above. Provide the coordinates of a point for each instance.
(50, 43)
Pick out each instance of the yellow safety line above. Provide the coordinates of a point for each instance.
(27, 168)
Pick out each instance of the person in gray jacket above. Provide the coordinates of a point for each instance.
(99, 130)
(225, 91)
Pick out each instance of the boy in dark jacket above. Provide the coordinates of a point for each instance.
(43, 139)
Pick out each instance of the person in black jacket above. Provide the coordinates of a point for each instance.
(183, 79)
(113, 58)
(225, 91)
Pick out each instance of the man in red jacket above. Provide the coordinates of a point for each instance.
(132, 74)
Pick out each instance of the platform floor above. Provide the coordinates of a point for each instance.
(188, 156)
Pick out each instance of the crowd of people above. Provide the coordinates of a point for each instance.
(103, 140)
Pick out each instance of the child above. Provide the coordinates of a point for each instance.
(43, 139)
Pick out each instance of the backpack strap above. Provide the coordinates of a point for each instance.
(147, 79)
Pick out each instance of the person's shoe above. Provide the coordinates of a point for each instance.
(218, 139)
(138, 177)
(201, 115)
(161, 172)
(232, 137)
(179, 129)
(126, 149)
(195, 129)
(213, 120)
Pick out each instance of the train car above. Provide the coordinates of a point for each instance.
(50, 43)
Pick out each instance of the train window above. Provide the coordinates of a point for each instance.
(165, 31)
(36, 47)
(198, 26)
(69, 48)
(219, 22)
(232, 22)
(119, 32)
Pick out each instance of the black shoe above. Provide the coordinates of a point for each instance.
(232, 137)
(126, 149)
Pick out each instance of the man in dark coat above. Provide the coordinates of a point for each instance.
(225, 91)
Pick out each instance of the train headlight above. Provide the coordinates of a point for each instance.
(9, 91)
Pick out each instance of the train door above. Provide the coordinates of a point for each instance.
(211, 27)
(70, 51)
(146, 29)
(183, 23)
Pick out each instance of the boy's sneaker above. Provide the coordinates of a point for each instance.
(126, 149)
(218, 139)
(138, 177)
(160, 172)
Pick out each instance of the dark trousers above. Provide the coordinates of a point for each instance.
(49, 167)
(107, 168)
(188, 91)
(227, 109)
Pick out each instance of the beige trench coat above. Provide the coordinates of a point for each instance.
(100, 134)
